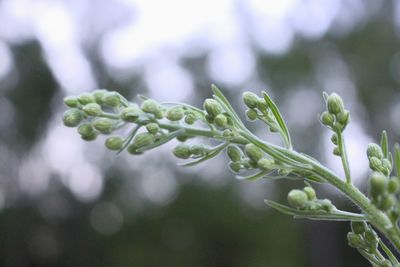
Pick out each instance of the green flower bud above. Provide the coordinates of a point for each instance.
(228, 133)
(335, 104)
(253, 152)
(378, 182)
(190, 118)
(131, 113)
(72, 117)
(114, 142)
(90, 137)
(143, 139)
(262, 105)
(221, 121)
(266, 164)
(159, 114)
(98, 95)
(92, 109)
(327, 118)
(133, 150)
(311, 195)
(374, 150)
(343, 117)
(212, 107)
(297, 198)
(71, 101)
(372, 238)
(151, 106)
(250, 99)
(336, 151)
(234, 153)
(235, 166)
(175, 113)
(334, 139)
(355, 240)
(388, 202)
(112, 99)
(327, 205)
(375, 164)
(103, 125)
(182, 151)
(251, 114)
(85, 98)
(386, 166)
(393, 185)
(198, 150)
(359, 227)
(152, 127)
(86, 129)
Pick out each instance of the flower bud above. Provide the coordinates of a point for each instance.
(327, 118)
(393, 185)
(334, 139)
(355, 240)
(297, 198)
(72, 117)
(388, 202)
(198, 150)
(266, 164)
(190, 118)
(359, 227)
(85, 98)
(175, 113)
(159, 114)
(386, 166)
(183, 137)
(103, 125)
(311, 195)
(143, 139)
(114, 142)
(71, 101)
(212, 107)
(343, 117)
(133, 150)
(335, 104)
(253, 152)
(86, 129)
(152, 127)
(228, 133)
(251, 114)
(371, 237)
(98, 95)
(375, 164)
(131, 113)
(327, 205)
(92, 109)
(378, 182)
(262, 105)
(182, 151)
(374, 150)
(112, 99)
(336, 151)
(221, 121)
(250, 99)
(150, 106)
(234, 153)
(235, 166)
(90, 137)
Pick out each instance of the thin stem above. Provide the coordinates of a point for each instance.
(343, 156)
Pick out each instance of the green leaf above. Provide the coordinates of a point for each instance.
(211, 155)
(397, 158)
(384, 144)
(253, 177)
(129, 138)
(279, 119)
(390, 255)
(163, 140)
(219, 96)
(336, 215)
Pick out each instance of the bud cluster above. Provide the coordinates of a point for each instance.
(216, 115)
(336, 117)
(306, 199)
(383, 192)
(258, 109)
(376, 159)
(184, 151)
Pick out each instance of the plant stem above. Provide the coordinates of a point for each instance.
(343, 156)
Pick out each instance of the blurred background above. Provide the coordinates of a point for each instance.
(65, 202)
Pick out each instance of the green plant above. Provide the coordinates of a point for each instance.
(104, 112)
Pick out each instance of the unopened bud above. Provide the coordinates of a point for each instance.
(112, 99)
(378, 182)
(86, 129)
(327, 118)
(71, 101)
(334, 139)
(198, 150)
(393, 185)
(336, 151)
(175, 113)
(388, 202)
(311, 195)
(98, 95)
(72, 117)
(251, 114)
(221, 121)
(262, 105)
(190, 118)
(90, 137)
(150, 106)
(212, 107)
(253, 152)
(359, 227)
(250, 99)
(266, 164)
(152, 127)
(372, 238)
(234, 153)
(182, 151)
(131, 113)
(86, 98)
(374, 150)
(386, 166)
(355, 240)
(297, 198)
(327, 205)
(375, 164)
(143, 139)
(235, 166)
(92, 109)
(103, 125)
(335, 104)
(114, 142)
(343, 117)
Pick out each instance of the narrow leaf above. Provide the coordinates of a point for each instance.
(278, 116)
(129, 138)
(397, 158)
(384, 144)
(211, 155)
(253, 177)
(162, 141)
(389, 253)
(337, 215)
